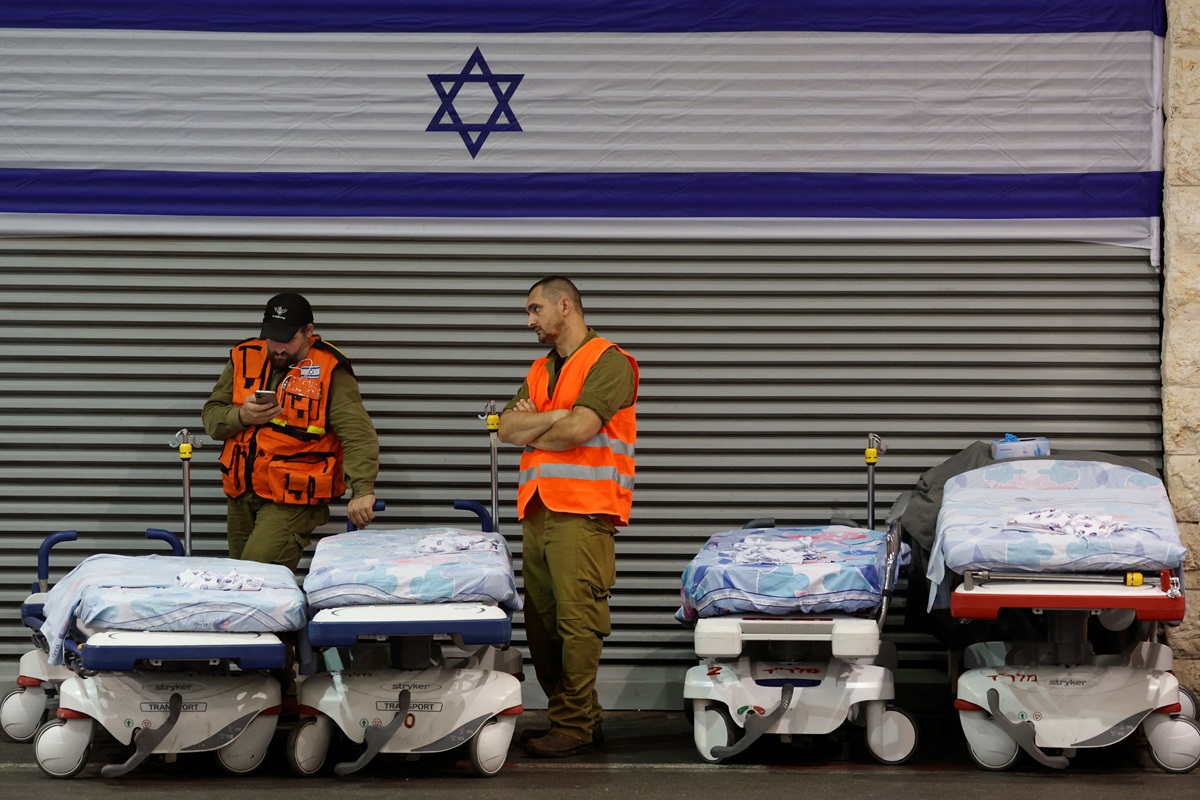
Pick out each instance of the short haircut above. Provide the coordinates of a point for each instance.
(556, 287)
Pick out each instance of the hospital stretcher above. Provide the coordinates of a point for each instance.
(24, 708)
(165, 666)
(787, 629)
(1068, 541)
(810, 657)
(424, 618)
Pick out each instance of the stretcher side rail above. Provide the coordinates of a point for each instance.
(984, 595)
(473, 623)
(125, 650)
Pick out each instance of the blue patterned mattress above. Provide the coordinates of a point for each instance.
(1047, 515)
(783, 570)
(172, 593)
(417, 565)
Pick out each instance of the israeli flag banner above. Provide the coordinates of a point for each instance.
(821, 119)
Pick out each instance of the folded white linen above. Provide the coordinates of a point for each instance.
(455, 542)
(753, 550)
(1054, 520)
(229, 582)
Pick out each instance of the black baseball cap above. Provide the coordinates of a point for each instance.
(284, 315)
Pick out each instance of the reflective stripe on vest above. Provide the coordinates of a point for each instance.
(576, 472)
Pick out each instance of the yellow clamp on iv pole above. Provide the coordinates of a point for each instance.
(493, 426)
(186, 444)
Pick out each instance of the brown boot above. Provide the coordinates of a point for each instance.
(557, 744)
(531, 733)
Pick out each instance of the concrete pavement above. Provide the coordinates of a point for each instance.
(646, 755)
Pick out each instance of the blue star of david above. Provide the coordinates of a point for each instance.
(475, 134)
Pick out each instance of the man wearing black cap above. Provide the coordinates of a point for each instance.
(295, 448)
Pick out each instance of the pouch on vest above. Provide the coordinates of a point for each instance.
(233, 468)
(306, 479)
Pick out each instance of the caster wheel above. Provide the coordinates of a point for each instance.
(990, 747)
(712, 727)
(1187, 702)
(62, 746)
(1175, 744)
(488, 748)
(247, 752)
(308, 745)
(894, 739)
(22, 712)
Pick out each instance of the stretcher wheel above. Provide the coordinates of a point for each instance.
(1187, 702)
(308, 745)
(488, 748)
(22, 711)
(712, 727)
(990, 747)
(62, 746)
(894, 739)
(1175, 744)
(247, 752)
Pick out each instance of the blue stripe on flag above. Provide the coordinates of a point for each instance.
(583, 195)
(628, 16)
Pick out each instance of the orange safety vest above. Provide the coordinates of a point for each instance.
(294, 459)
(597, 476)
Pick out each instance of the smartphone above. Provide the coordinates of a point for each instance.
(265, 397)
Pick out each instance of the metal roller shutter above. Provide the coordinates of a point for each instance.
(765, 365)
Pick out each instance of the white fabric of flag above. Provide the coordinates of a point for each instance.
(448, 119)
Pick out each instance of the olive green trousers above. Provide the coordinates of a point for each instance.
(271, 533)
(568, 566)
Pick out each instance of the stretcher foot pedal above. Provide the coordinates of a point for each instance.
(1022, 733)
(377, 737)
(147, 740)
(756, 726)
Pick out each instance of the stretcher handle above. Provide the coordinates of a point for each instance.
(485, 519)
(379, 506)
(895, 538)
(168, 537)
(1181, 586)
(43, 558)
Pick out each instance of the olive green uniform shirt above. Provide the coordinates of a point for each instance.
(609, 386)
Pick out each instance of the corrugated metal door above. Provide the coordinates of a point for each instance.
(765, 365)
